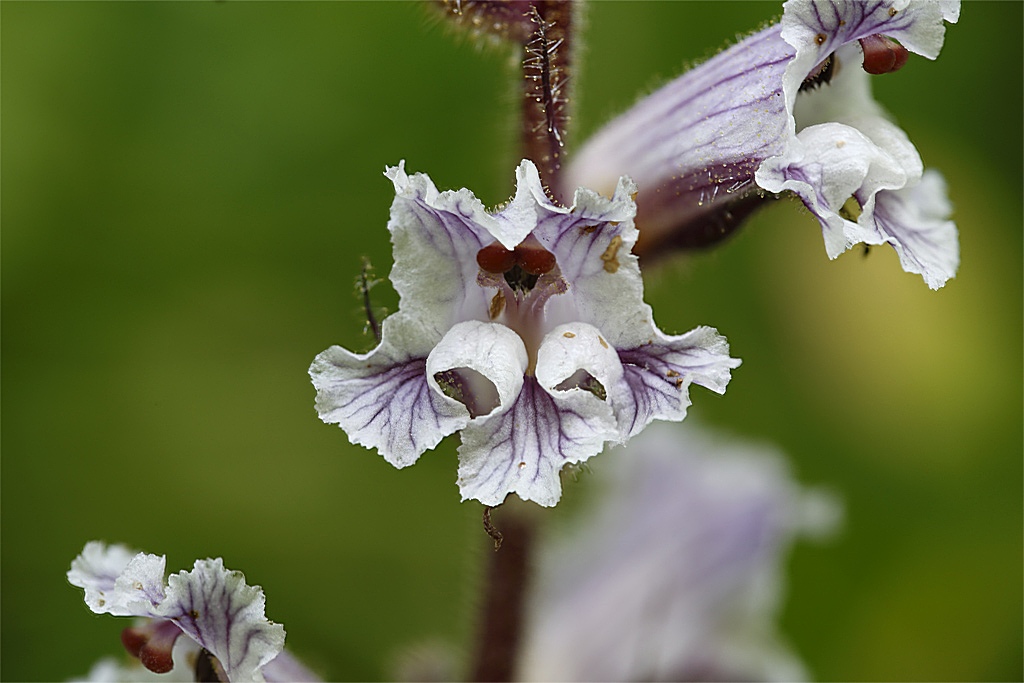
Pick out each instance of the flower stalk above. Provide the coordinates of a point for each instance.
(546, 84)
(506, 585)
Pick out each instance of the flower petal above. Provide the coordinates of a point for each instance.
(915, 221)
(220, 612)
(817, 28)
(828, 165)
(436, 236)
(660, 372)
(522, 449)
(695, 142)
(382, 399)
(117, 581)
(494, 351)
(593, 246)
(573, 347)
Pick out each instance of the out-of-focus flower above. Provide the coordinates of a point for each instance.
(704, 148)
(284, 668)
(674, 573)
(210, 604)
(525, 329)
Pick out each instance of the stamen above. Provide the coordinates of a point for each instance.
(883, 55)
(152, 643)
(521, 267)
(495, 258)
(534, 258)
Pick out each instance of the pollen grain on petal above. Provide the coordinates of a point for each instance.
(610, 255)
(497, 305)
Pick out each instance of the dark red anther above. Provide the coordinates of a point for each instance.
(494, 258)
(534, 259)
(152, 642)
(133, 640)
(883, 55)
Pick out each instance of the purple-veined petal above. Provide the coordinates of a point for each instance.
(848, 163)
(659, 374)
(915, 221)
(522, 449)
(593, 245)
(572, 347)
(216, 608)
(816, 28)
(497, 356)
(118, 581)
(582, 372)
(382, 399)
(835, 169)
(694, 144)
(436, 236)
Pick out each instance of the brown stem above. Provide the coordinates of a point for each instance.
(506, 577)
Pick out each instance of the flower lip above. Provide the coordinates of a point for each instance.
(152, 642)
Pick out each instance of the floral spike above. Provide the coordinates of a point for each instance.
(786, 109)
(210, 604)
(524, 329)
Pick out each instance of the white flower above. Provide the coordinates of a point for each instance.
(210, 604)
(525, 329)
(788, 109)
(675, 573)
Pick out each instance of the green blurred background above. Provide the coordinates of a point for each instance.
(188, 190)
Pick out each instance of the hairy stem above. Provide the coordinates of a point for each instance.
(506, 582)
(546, 84)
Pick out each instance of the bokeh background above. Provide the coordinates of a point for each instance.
(188, 191)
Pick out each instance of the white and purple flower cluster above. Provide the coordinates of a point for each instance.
(789, 108)
(525, 328)
(213, 606)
